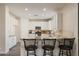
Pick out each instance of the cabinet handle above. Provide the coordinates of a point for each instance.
(11, 35)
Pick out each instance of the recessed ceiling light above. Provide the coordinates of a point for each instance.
(26, 9)
(44, 9)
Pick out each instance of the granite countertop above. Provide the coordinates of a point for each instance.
(47, 36)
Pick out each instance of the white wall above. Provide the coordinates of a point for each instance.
(59, 21)
(7, 30)
(2, 28)
(70, 23)
(24, 27)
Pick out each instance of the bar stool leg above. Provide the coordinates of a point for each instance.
(62, 52)
(69, 52)
(52, 53)
(27, 52)
(35, 52)
(44, 53)
(59, 52)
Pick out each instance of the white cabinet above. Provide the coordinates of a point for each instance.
(12, 42)
(12, 37)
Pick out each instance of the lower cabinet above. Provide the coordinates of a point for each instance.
(12, 42)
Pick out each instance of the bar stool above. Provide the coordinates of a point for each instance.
(66, 45)
(49, 45)
(30, 45)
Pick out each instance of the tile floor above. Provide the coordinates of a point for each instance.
(19, 50)
(15, 51)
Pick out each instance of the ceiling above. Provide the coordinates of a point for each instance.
(35, 10)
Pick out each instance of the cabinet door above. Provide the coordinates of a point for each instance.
(12, 36)
(12, 41)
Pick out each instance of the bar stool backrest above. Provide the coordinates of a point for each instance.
(28, 42)
(49, 42)
(69, 41)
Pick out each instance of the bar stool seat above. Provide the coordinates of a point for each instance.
(48, 47)
(31, 47)
(65, 47)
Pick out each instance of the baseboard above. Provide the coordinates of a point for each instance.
(7, 50)
(4, 52)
